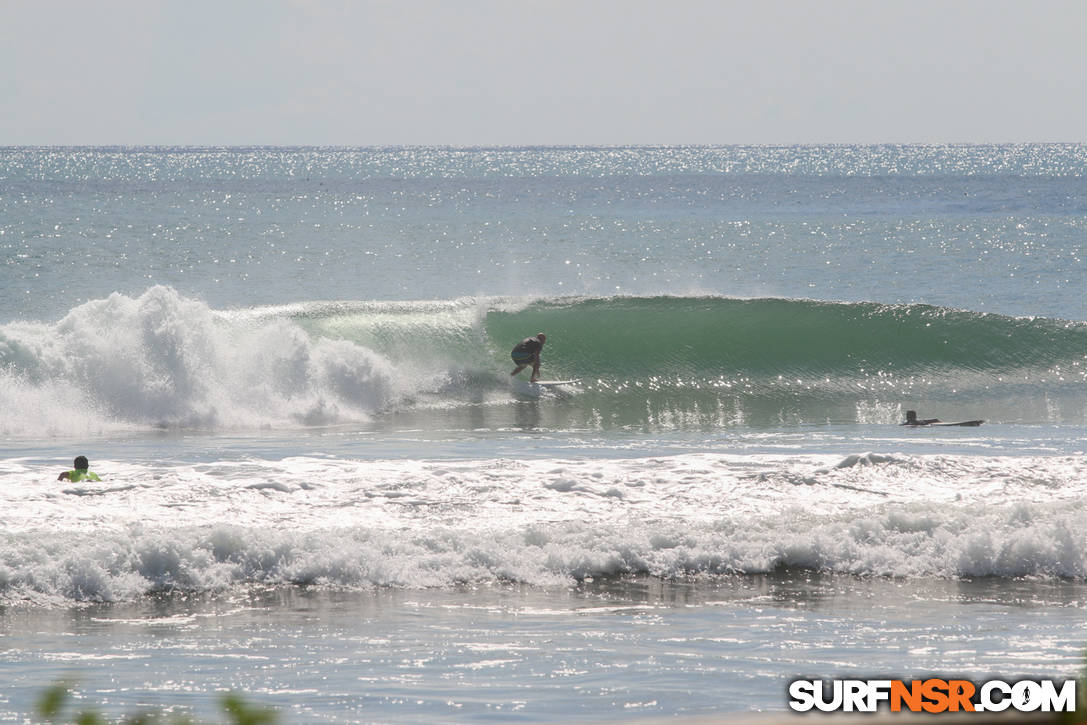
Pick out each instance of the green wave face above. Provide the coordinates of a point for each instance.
(645, 363)
(710, 361)
(710, 337)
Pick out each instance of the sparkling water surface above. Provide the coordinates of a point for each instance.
(599, 652)
(289, 364)
(986, 228)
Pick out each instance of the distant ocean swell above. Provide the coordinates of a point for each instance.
(161, 359)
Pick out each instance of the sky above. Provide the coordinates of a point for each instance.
(541, 72)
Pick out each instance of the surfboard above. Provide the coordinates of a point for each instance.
(962, 422)
(543, 388)
(921, 424)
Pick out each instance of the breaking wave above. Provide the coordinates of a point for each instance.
(165, 360)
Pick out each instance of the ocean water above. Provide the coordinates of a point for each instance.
(321, 487)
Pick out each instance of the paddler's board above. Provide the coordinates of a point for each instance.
(962, 422)
(554, 383)
(973, 423)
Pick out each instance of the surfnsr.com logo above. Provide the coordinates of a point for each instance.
(932, 695)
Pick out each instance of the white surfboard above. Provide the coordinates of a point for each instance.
(541, 387)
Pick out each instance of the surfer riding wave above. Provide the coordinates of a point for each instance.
(527, 352)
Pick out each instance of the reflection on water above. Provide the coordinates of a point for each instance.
(602, 650)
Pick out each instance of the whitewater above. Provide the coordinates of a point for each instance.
(549, 522)
(320, 486)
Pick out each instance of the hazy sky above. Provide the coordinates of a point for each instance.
(474, 72)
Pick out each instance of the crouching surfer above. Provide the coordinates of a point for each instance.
(913, 420)
(527, 352)
(80, 473)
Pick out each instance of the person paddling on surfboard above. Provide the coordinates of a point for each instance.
(527, 352)
(911, 419)
(80, 473)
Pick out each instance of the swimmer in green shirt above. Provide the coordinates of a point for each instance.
(80, 473)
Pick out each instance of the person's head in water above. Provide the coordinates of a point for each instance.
(80, 464)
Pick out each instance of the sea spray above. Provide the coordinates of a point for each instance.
(162, 360)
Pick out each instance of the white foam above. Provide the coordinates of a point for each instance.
(545, 522)
(863, 459)
(164, 360)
